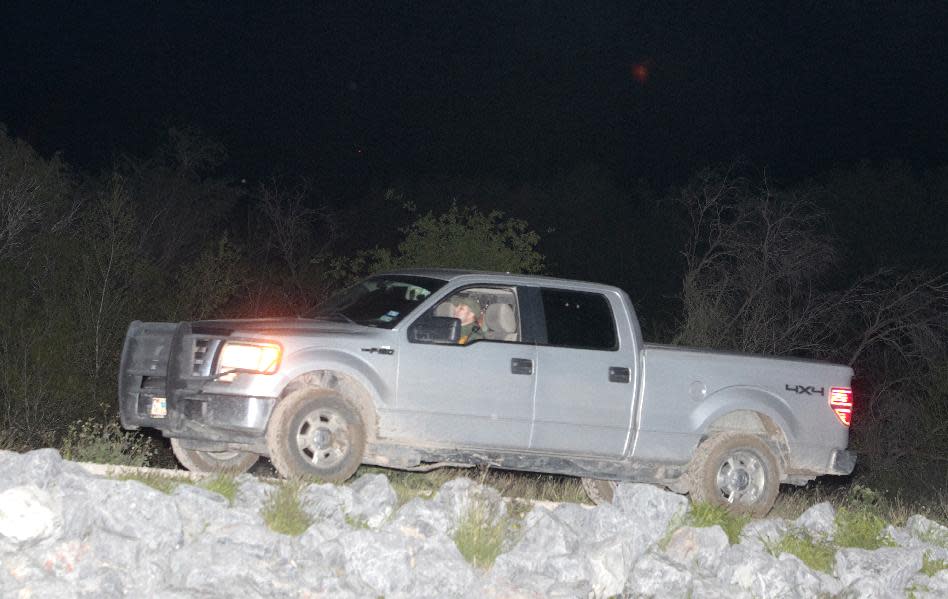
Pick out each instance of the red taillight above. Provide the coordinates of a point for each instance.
(841, 400)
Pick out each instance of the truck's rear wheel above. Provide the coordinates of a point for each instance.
(316, 433)
(599, 491)
(213, 462)
(737, 471)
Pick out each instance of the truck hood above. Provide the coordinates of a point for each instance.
(282, 326)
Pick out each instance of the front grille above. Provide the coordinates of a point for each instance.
(202, 362)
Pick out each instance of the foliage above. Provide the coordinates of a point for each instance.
(210, 283)
(815, 553)
(480, 534)
(283, 511)
(705, 514)
(861, 528)
(156, 480)
(519, 485)
(457, 238)
(858, 523)
(224, 484)
(760, 276)
(932, 566)
(753, 259)
(99, 442)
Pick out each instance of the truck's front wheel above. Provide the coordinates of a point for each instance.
(213, 462)
(316, 433)
(736, 471)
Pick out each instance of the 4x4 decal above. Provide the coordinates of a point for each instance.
(802, 390)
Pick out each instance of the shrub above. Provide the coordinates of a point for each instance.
(92, 440)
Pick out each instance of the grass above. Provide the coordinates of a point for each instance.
(893, 507)
(283, 511)
(408, 485)
(480, 535)
(931, 566)
(704, 514)
(165, 483)
(520, 485)
(223, 484)
(860, 528)
(815, 553)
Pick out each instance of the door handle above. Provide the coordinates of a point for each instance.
(521, 366)
(619, 374)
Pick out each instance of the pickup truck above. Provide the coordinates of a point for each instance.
(558, 380)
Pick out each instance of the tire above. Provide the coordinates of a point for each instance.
(213, 462)
(316, 433)
(736, 471)
(600, 491)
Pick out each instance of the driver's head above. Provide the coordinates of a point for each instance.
(466, 309)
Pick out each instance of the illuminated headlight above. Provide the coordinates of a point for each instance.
(262, 358)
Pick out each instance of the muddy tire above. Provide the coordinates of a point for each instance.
(315, 433)
(736, 471)
(600, 491)
(213, 462)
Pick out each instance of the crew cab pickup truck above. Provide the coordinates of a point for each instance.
(558, 380)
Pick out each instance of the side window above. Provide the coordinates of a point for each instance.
(484, 313)
(578, 319)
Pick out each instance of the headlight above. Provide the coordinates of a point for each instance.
(262, 358)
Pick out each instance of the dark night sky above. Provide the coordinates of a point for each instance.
(370, 91)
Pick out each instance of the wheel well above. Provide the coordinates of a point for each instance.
(747, 421)
(347, 386)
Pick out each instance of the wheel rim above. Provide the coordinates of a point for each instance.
(742, 478)
(322, 438)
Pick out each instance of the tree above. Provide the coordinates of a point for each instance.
(463, 238)
(755, 264)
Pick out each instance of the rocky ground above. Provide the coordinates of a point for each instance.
(67, 533)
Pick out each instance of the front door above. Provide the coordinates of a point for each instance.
(479, 394)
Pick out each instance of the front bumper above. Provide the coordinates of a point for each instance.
(842, 462)
(161, 386)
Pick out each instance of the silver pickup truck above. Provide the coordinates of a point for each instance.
(555, 379)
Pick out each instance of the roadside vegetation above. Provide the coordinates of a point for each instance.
(483, 533)
(283, 510)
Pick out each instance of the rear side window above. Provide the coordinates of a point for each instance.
(578, 319)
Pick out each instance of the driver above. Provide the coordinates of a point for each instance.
(467, 310)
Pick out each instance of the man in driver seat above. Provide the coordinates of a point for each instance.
(467, 310)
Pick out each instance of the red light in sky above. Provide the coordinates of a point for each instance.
(640, 72)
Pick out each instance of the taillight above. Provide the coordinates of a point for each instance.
(841, 400)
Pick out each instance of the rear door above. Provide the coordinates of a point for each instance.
(586, 373)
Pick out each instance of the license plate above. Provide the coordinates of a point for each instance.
(159, 407)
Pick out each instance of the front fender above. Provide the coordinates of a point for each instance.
(353, 366)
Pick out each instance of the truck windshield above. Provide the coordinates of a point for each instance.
(378, 301)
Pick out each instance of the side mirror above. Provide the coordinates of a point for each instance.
(435, 329)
